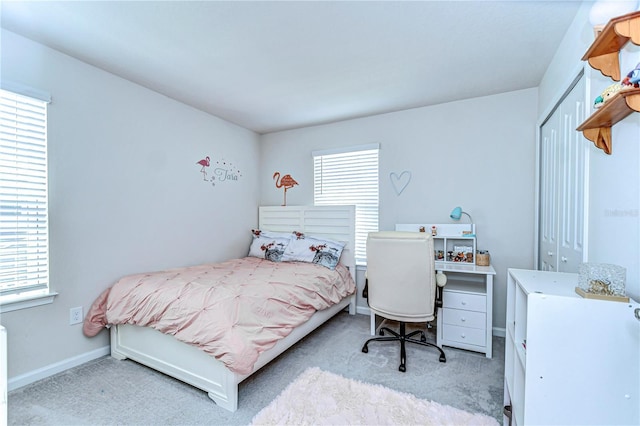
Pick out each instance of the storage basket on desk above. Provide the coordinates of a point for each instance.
(482, 258)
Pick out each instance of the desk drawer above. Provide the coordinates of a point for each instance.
(470, 336)
(464, 318)
(466, 301)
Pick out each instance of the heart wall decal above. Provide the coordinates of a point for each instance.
(400, 181)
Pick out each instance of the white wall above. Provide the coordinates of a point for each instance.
(614, 190)
(125, 192)
(477, 153)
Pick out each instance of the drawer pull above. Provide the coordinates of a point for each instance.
(464, 303)
(463, 335)
(463, 319)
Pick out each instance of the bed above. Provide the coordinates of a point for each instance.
(190, 364)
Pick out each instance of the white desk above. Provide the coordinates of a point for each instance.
(465, 319)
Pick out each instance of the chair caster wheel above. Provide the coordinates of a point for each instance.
(365, 349)
(423, 339)
(381, 333)
(402, 368)
(443, 358)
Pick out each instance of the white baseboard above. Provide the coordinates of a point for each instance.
(58, 367)
(499, 332)
(363, 310)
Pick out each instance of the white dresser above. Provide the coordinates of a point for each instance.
(569, 360)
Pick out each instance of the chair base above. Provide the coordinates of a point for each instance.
(402, 337)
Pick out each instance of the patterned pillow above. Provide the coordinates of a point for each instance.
(270, 248)
(313, 250)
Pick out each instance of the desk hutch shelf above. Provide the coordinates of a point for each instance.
(604, 55)
(450, 240)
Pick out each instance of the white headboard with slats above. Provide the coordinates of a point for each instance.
(336, 223)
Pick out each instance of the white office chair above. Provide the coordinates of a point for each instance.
(402, 285)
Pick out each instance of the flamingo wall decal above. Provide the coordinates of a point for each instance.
(286, 181)
(204, 163)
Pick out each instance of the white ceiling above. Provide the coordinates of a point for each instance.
(270, 66)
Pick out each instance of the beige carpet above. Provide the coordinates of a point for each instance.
(317, 397)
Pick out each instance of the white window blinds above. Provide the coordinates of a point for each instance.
(24, 236)
(350, 176)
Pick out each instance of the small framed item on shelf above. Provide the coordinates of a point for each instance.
(463, 254)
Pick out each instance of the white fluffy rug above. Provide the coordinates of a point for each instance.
(317, 397)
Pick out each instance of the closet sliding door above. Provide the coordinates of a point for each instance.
(563, 185)
(549, 211)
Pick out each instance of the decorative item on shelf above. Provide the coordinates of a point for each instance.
(597, 30)
(422, 229)
(602, 281)
(607, 94)
(603, 10)
(434, 231)
(482, 258)
(632, 79)
(463, 254)
(456, 214)
(440, 255)
(286, 181)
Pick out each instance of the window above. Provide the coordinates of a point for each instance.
(24, 233)
(350, 176)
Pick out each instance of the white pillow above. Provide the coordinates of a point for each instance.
(314, 250)
(269, 248)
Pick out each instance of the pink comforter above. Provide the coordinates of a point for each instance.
(233, 310)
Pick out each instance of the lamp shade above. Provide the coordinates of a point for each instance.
(456, 213)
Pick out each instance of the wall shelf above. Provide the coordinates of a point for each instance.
(597, 128)
(604, 55)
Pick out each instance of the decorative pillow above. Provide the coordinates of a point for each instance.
(268, 248)
(313, 250)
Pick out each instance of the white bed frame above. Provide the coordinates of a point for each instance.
(184, 362)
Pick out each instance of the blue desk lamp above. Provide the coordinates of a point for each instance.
(457, 213)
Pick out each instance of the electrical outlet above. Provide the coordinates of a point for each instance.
(75, 315)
